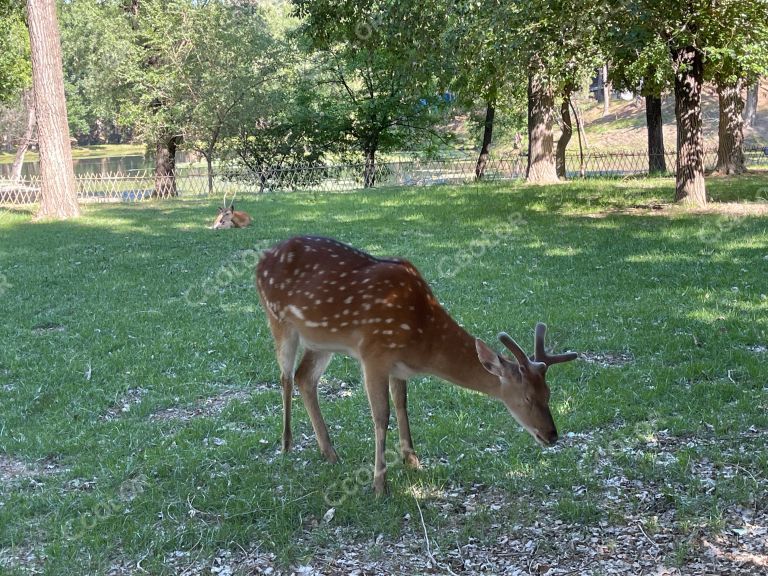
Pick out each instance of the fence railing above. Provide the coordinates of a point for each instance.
(137, 185)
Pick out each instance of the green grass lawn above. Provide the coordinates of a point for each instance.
(124, 334)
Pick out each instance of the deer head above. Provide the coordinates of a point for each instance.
(524, 389)
(224, 218)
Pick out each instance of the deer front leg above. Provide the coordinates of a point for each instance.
(399, 392)
(378, 398)
(311, 367)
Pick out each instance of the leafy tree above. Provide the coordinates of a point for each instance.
(641, 63)
(99, 52)
(16, 75)
(382, 61)
(556, 44)
(734, 62)
(691, 31)
(482, 67)
(15, 61)
(230, 79)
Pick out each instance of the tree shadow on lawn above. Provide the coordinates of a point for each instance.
(641, 283)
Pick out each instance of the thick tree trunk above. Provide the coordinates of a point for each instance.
(606, 91)
(562, 144)
(58, 192)
(369, 172)
(485, 150)
(689, 174)
(730, 149)
(29, 133)
(541, 102)
(657, 163)
(165, 167)
(750, 109)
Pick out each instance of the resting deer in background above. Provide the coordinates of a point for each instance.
(330, 297)
(231, 218)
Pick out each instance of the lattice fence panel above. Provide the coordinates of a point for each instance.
(138, 185)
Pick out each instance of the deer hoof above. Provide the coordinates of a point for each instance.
(331, 456)
(380, 486)
(411, 460)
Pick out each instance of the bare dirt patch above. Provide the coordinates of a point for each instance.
(207, 407)
(22, 558)
(15, 470)
(735, 209)
(123, 405)
(335, 389)
(607, 359)
(48, 327)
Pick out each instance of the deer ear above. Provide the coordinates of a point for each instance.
(488, 358)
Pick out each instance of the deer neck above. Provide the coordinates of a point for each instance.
(455, 359)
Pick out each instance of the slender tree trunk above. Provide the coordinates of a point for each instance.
(58, 192)
(606, 91)
(582, 136)
(750, 109)
(689, 174)
(730, 149)
(28, 99)
(209, 166)
(165, 167)
(541, 102)
(562, 144)
(657, 163)
(485, 150)
(369, 172)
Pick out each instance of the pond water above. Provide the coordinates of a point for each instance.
(104, 165)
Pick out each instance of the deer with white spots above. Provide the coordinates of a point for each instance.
(327, 297)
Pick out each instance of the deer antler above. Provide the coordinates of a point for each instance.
(540, 354)
(514, 347)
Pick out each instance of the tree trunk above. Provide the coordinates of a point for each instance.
(369, 173)
(209, 165)
(657, 163)
(606, 91)
(730, 149)
(28, 98)
(482, 160)
(58, 192)
(165, 168)
(562, 144)
(689, 174)
(582, 136)
(541, 102)
(750, 110)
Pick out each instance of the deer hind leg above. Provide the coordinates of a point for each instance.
(286, 346)
(378, 398)
(311, 367)
(398, 390)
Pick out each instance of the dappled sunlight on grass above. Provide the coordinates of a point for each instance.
(142, 307)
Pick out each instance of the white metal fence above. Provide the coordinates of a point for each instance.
(134, 186)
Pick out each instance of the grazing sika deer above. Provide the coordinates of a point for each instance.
(330, 297)
(231, 218)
